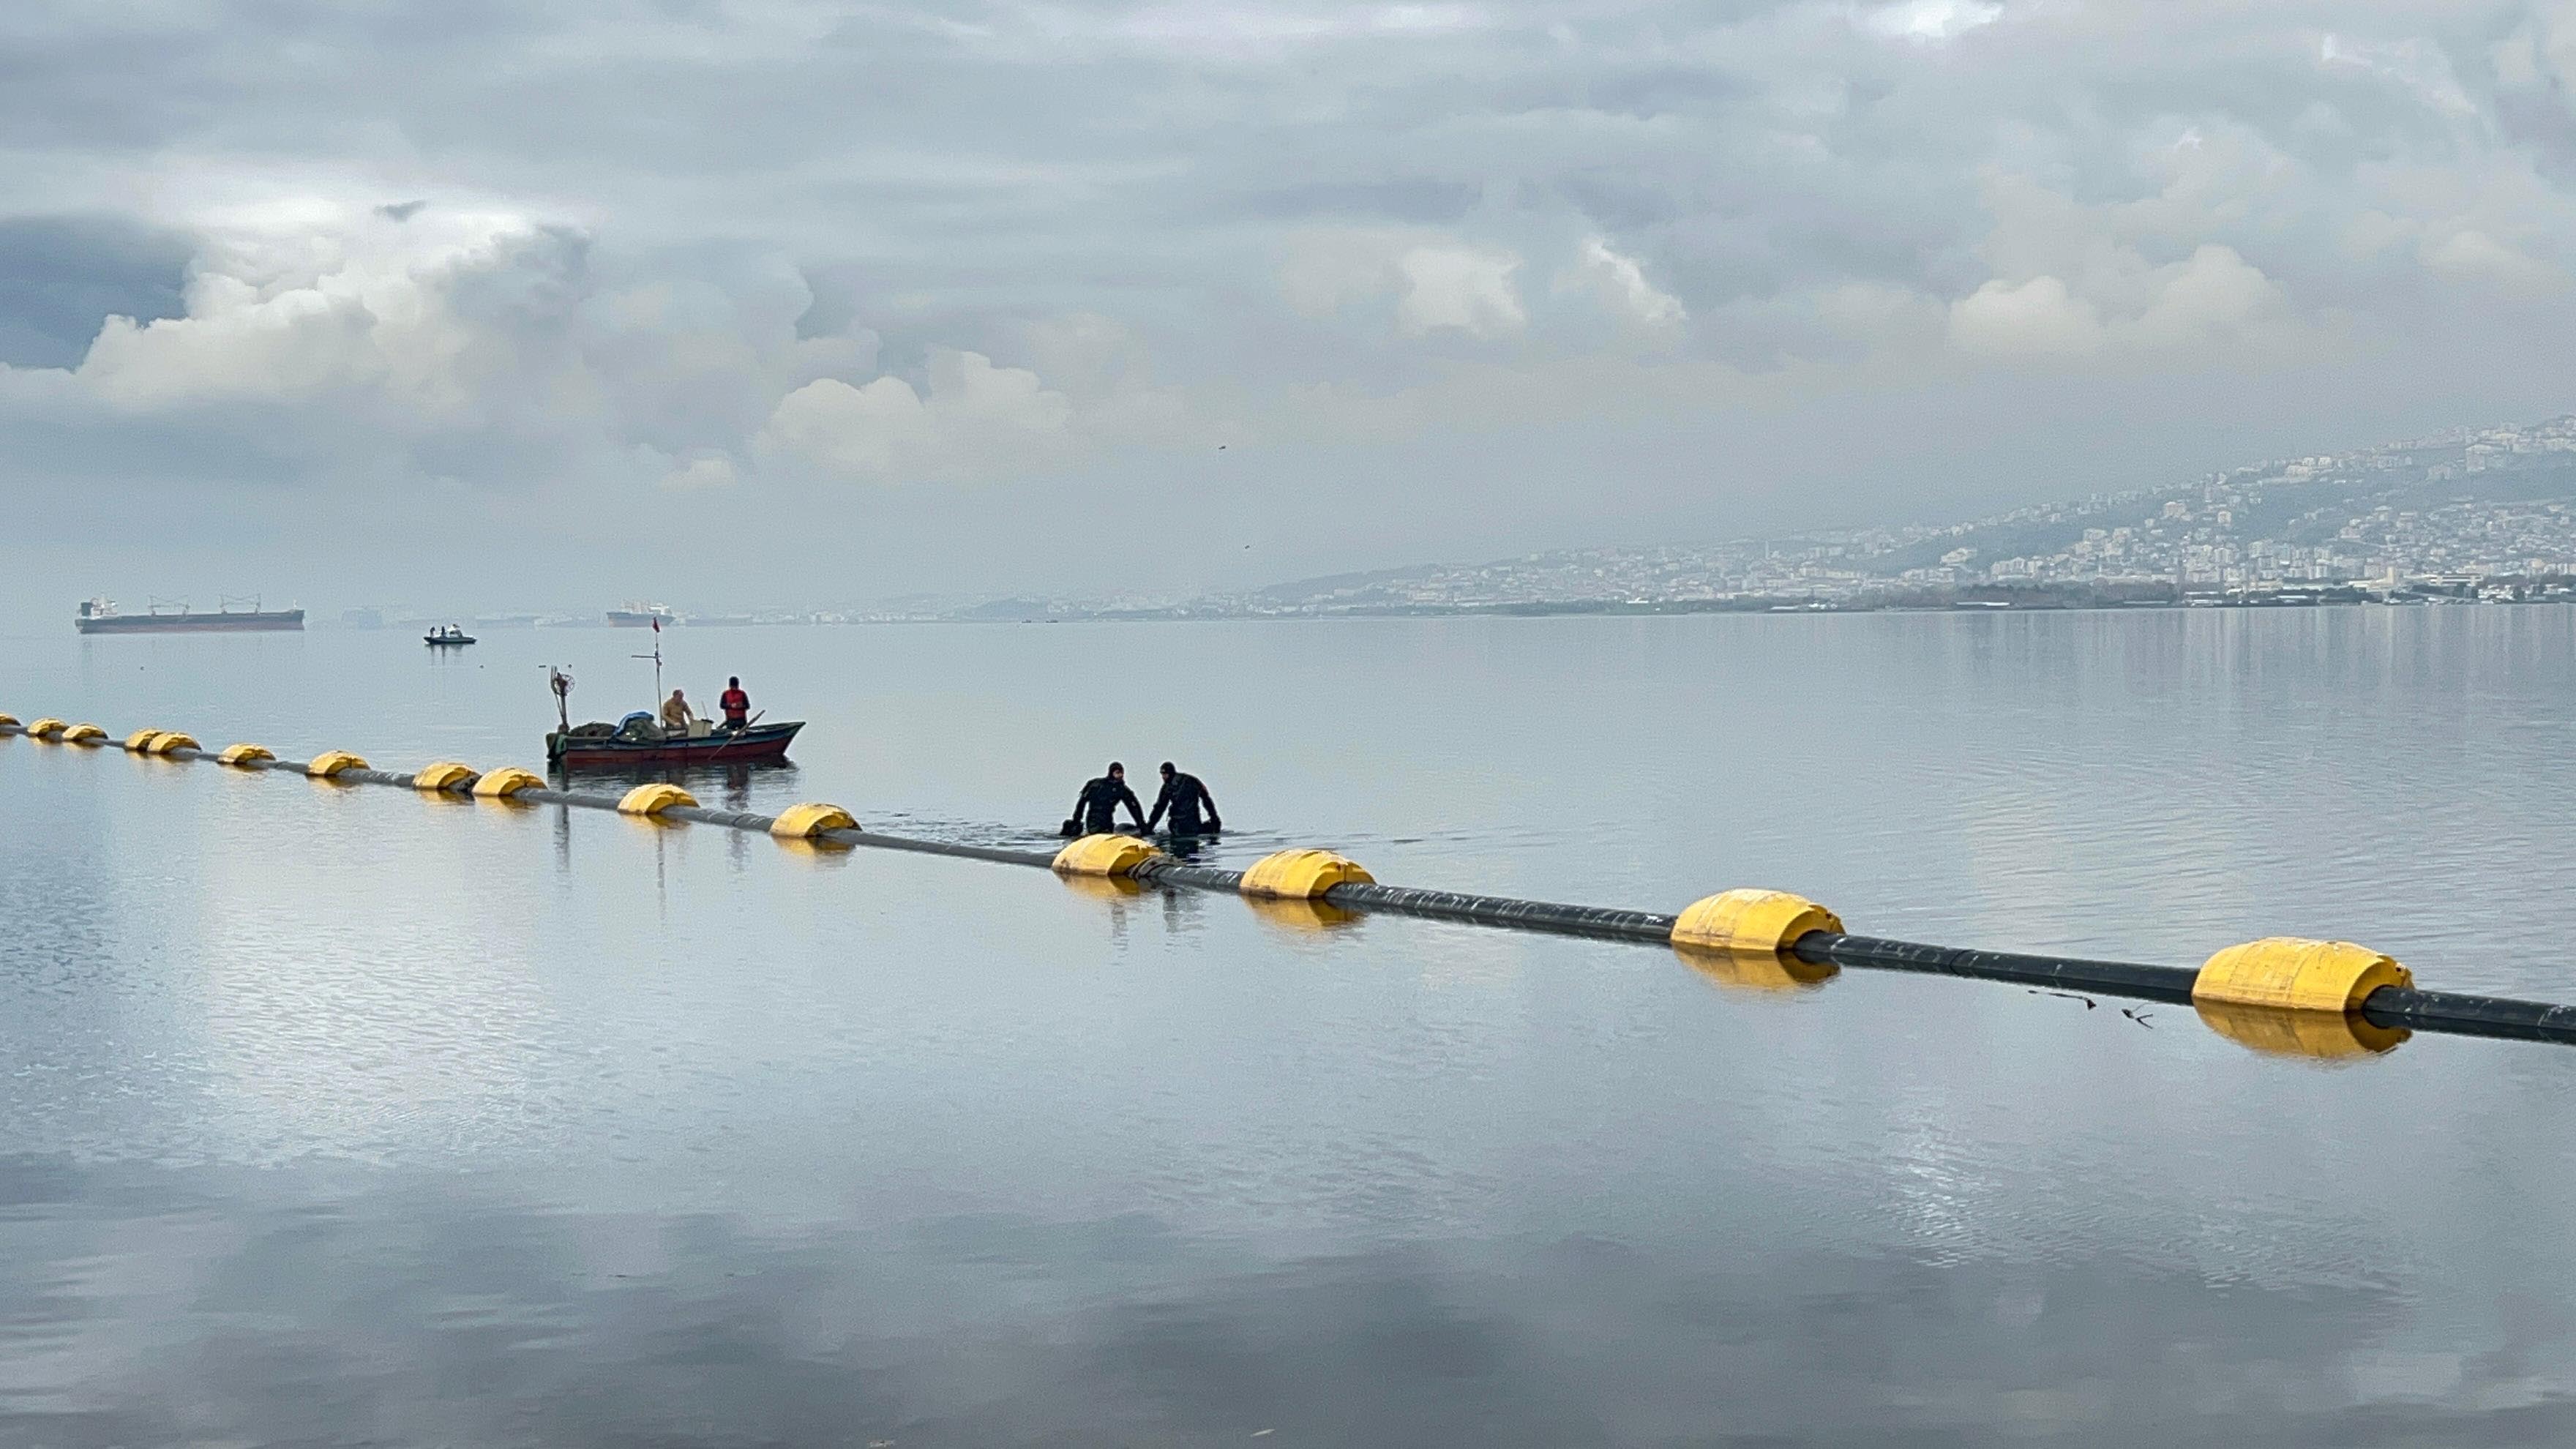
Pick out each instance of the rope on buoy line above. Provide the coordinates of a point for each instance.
(2282, 995)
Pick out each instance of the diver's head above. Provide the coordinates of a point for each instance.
(1117, 771)
(1167, 769)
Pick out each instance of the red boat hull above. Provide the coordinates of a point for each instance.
(751, 746)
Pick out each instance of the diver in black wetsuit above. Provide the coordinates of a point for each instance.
(1185, 796)
(1095, 810)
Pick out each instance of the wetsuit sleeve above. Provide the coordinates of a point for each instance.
(1215, 821)
(1135, 807)
(1162, 802)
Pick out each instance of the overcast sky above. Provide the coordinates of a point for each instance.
(735, 302)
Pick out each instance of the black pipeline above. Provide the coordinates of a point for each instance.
(2390, 1007)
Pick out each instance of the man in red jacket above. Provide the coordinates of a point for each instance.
(735, 704)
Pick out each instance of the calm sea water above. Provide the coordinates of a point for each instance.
(337, 1115)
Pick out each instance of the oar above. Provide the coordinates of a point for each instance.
(737, 736)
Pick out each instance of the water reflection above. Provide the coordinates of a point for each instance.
(831, 853)
(2316, 1035)
(1103, 887)
(1299, 916)
(490, 1319)
(338, 1116)
(731, 785)
(1761, 971)
(1118, 894)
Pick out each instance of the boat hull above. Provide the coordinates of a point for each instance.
(760, 742)
(272, 621)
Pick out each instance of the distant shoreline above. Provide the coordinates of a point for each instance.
(2037, 604)
(2001, 601)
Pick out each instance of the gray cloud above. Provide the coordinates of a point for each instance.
(1509, 274)
(60, 276)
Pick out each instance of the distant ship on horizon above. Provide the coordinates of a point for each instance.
(639, 616)
(99, 616)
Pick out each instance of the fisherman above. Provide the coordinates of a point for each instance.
(735, 704)
(1185, 796)
(676, 713)
(1095, 810)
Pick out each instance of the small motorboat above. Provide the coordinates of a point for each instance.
(447, 636)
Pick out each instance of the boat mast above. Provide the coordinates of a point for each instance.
(656, 657)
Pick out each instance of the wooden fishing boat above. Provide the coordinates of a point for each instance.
(749, 745)
(640, 739)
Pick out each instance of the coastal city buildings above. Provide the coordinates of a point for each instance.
(2475, 514)
(2484, 513)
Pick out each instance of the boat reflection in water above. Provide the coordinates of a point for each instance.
(727, 785)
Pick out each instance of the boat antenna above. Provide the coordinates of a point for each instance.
(656, 657)
(560, 680)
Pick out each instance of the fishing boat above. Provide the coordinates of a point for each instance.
(447, 636)
(638, 740)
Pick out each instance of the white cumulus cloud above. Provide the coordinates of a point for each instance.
(1618, 283)
(2471, 255)
(1461, 288)
(974, 421)
(299, 298)
(2213, 299)
(2036, 318)
(1437, 283)
(1932, 19)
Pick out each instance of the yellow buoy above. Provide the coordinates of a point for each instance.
(653, 799)
(1302, 874)
(804, 822)
(330, 763)
(1108, 855)
(505, 782)
(83, 734)
(2297, 974)
(240, 756)
(168, 740)
(1761, 923)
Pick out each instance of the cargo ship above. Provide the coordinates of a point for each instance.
(639, 616)
(99, 616)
